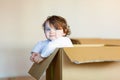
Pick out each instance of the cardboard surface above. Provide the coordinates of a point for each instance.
(90, 71)
(38, 69)
(112, 42)
(91, 61)
(93, 54)
(98, 41)
(54, 72)
(107, 66)
(89, 40)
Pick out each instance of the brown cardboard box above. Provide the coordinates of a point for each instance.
(93, 59)
(111, 42)
(81, 63)
(38, 69)
(98, 41)
(89, 40)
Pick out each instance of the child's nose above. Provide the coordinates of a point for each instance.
(52, 30)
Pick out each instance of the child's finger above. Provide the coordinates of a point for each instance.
(35, 59)
(31, 58)
(35, 54)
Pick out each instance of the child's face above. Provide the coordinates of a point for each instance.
(51, 33)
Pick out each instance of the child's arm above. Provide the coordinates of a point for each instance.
(36, 57)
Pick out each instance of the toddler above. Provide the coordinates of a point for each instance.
(56, 31)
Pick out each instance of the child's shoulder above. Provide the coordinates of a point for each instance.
(43, 41)
(64, 39)
(63, 42)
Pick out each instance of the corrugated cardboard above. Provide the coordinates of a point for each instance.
(86, 63)
(112, 42)
(97, 41)
(92, 54)
(81, 62)
(38, 69)
(89, 40)
(93, 70)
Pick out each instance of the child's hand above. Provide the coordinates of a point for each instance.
(35, 57)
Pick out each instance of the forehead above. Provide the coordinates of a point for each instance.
(48, 25)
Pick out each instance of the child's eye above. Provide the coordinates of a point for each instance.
(47, 29)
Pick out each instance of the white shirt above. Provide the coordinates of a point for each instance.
(46, 47)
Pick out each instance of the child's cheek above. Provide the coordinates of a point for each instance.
(59, 33)
(47, 34)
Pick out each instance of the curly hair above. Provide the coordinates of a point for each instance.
(59, 23)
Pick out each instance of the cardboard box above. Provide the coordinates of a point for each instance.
(80, 63)
(97, 41)
(112, 42)
(89, 40)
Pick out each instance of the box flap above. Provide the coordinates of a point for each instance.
(89, 45)
(93, 54)
(98, 41)
(112, 42)
(38, 69)
(89, 40)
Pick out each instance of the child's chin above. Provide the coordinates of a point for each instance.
(52, 39)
